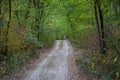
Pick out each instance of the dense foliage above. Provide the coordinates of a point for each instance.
(27, 25)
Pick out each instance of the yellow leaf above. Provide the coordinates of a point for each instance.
(115, 59)
(93, 65)
(117, 74)
(104, 61)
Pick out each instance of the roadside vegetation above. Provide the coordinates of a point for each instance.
(91, 25)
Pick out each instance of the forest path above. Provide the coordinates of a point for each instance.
(55, 65)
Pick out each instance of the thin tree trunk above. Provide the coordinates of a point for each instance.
(97, 23)
(40, 12)
(7, 31)
(38, 16)
(102, 30)
(0, 14)
(18, 18)
(0, 8)
(28, 8)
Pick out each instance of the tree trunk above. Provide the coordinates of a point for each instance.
(97, 23)
(0, 14)
(18, 18)
(102, 30)
(7, 31)
(38, 16)
(28, 8)
(100, 25)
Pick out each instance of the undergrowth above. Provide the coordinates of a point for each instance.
(99, 66)
(13, 63)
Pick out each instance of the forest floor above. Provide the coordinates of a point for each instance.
(57, 64)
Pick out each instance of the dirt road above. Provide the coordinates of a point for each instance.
(54, 66)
